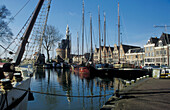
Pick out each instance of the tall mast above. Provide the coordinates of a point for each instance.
(91, 33)
(78, 46)
(83, 31)
(104, 29)
(118, 35)
(99, 35)
(104, 36)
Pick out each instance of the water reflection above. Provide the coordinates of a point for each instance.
(73, 84)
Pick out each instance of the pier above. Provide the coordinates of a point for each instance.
(147, 94)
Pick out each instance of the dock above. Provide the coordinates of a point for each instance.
(147, 94)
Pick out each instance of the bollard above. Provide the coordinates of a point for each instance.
(141, 78)
(127, 83)
(137, 79)
(132, 81)
(117, 93)
(144, 76)
(147, 76)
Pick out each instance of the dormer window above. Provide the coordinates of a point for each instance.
(160, 43)
(149, 42)
(129, 51)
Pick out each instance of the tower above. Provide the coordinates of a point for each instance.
(64, 48)
(68, 44)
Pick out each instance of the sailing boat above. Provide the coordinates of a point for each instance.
(14, 81)
(82, 68)
(123, 72)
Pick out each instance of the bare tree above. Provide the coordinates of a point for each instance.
(5, 31)
(51, 37)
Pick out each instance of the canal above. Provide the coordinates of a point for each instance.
(53, 83)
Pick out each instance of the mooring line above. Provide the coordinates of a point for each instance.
(61, 94)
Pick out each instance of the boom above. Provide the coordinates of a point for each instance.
(21, 48)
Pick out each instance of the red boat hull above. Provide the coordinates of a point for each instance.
(81, 70)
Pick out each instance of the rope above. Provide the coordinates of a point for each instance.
(61, 94)
(16, 14)
(16, 38)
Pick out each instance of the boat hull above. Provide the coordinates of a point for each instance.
(125, 73)
(15, 99)
(81, 70)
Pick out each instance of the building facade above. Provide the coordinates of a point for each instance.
(111, 54)
(157, 51)
(135, 56)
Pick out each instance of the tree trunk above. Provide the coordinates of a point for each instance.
(48, 56)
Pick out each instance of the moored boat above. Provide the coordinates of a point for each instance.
(15, 79)
(81, 69)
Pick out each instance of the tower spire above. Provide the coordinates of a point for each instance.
(67, 32)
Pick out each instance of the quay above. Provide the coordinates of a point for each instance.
(147, 94)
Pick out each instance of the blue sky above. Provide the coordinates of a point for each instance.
(137, 18)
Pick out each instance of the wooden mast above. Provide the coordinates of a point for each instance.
(118, 35)
(91, 54)
(99, 35)
(82, 31)
(104, 36)
(21, 48)
(104, 29)
(91, 33)
(78, 46)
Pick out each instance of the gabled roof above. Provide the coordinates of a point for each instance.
(97, 49)
(112, 48)
(127, 47)
(153, 40)
(107, 48)
(137, 50)
(165, 38)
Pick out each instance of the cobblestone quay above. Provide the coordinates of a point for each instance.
(149, 94)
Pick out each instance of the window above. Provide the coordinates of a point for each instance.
(136, 56)
(147, 49)
(157, 59)
(160, 52)
(152, 54)
(141, 56)
(160, 43)
(165, 52)
(151, 48)
(146, 54)
(157, 52)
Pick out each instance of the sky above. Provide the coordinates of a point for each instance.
(137, 19)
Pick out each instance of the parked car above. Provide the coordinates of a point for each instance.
(164, 66)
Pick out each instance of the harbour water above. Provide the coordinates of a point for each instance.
(52, 83)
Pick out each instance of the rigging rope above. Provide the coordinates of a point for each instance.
(6, 49)
(16, 14)
(35, 36)
(92, 96)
